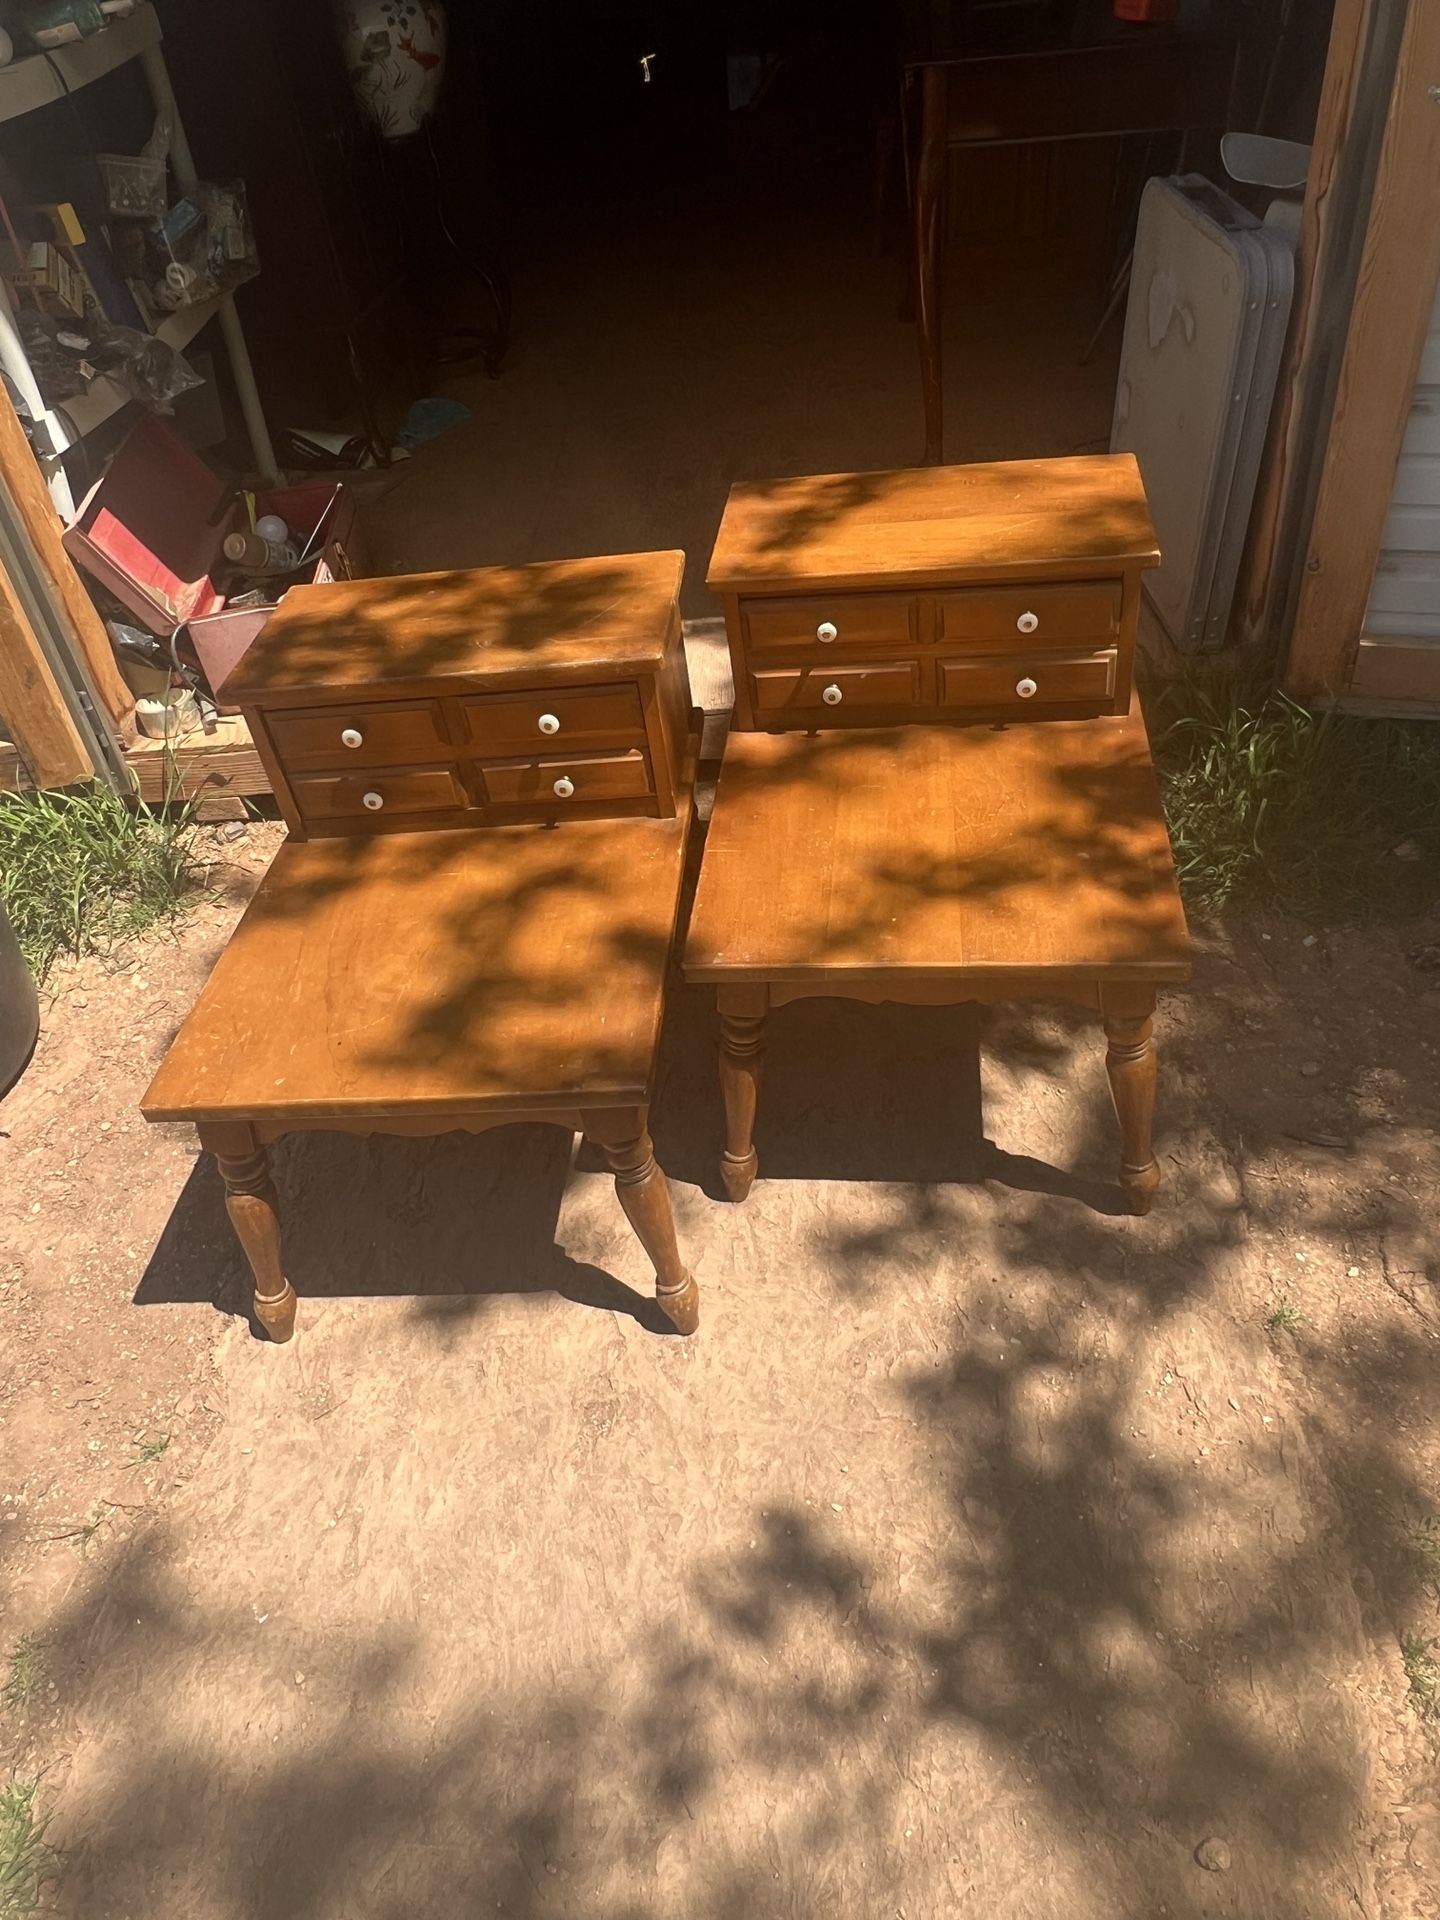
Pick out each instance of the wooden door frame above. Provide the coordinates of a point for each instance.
(1328, 654)
(1326, 256)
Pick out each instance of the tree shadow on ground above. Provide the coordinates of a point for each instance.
(1128, 1573)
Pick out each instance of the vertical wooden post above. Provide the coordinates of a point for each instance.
(25, 484)
(1394, 298)
(34, 708)
(1260, 593)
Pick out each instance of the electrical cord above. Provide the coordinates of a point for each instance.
(493, 283)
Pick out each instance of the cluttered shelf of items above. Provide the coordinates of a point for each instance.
(113, 264)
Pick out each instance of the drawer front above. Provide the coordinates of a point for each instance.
(992, 619)
(1022, 681)
(788, 628)
(558, 718)
(570, 780)
(378, 796)
(834, 694)
(379, 734)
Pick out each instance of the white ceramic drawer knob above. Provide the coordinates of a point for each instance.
(832, 696)
(374, 801)
(1026, 688)
(549, 723)
(564, 787)
(827, 631)
(351, 737)
(1028, 622)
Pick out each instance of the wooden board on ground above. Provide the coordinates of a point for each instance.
(206, 766)
(13, 777)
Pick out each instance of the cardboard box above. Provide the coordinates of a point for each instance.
(48, 271)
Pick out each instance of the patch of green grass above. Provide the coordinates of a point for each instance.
(1422, 1670)
(1418, 1535)
(1270, 805)
(25, 1674)
(147, 1450)
(1284, 1318)
(27, 1863)
(79, 871)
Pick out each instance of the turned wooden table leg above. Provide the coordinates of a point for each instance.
(645, 1196)
(1130, 1062)
(742, 1051)
(254, 1210)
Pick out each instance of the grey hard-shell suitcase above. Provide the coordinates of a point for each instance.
(1210, 293)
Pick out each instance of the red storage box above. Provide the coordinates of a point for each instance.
(151, 531)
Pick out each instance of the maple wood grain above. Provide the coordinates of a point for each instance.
(431, 973)
(1031, 519)
(963, 853)
(612, 615)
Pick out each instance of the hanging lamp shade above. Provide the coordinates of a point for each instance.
(395, 55)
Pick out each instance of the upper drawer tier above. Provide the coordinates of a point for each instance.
(832, 621)
(380, 734)
(565, 717)
(989, 619)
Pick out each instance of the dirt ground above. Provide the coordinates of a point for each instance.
(984, 1554)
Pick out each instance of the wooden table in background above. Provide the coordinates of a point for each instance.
(1150, 81)
(936, 865)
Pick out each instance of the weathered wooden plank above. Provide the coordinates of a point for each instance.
(31, 702)
(1396, 669)
(1395, 292)
(1260, 591)
(13, 777)
(25, 484)
(210, 764)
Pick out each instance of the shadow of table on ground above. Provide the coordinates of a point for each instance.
(851, 1091)
(451, 1222)
(889, 1094)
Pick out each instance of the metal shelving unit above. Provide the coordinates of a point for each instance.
(38, 80)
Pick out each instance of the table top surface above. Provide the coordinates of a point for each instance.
(997, 520)
(936, 852)
(611, 615)
(422, 973)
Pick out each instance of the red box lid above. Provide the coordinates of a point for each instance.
(151, 528)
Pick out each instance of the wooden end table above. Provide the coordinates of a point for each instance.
(935, 865)
(488, 778)
(421, 982)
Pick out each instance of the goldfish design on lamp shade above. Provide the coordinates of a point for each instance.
(395, 56)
